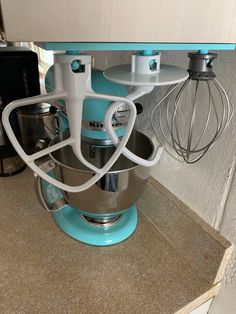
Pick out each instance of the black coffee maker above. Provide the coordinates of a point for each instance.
(19, 78)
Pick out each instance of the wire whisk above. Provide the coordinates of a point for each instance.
(193, 115)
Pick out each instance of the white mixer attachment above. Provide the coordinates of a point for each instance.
(73, 84)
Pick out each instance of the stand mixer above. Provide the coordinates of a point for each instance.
(97, 167)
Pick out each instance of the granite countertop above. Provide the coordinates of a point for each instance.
(172, 264)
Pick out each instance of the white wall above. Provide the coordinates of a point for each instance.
(209, 186)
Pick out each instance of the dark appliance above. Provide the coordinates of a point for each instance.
(19, 78)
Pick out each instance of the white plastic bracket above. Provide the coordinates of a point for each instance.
(142, 64)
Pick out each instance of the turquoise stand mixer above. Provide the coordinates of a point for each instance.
(115, 223)
(97, 166)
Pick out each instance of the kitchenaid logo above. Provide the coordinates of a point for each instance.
(100, 125)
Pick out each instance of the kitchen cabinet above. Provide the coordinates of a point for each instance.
(182, 21)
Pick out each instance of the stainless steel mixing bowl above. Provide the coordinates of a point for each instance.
(116, 190)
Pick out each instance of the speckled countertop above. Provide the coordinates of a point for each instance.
(172, 263)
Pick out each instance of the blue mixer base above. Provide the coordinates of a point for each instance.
(72, 223)
(70, 220)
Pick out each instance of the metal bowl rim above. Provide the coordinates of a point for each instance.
(58, 163)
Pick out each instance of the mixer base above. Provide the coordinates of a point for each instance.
(71, 221)
(90, 228)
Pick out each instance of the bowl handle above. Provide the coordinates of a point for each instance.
(59, 201)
